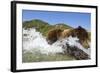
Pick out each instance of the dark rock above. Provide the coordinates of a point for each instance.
(76, 52)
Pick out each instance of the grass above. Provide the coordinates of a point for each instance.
(38, 57)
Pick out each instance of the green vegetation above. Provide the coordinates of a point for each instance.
(42, 26)
(62, 26)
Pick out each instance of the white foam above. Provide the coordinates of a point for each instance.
(73, 41)
(34, 41)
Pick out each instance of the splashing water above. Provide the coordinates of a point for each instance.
(33, 41)
(74, 42)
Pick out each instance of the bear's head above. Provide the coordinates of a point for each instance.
(83, 36)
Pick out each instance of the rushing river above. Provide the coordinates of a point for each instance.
(33, 41)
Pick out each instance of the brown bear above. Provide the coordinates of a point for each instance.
(56, 34)
(53, 35)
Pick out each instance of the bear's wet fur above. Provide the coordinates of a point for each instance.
(56, 34)
(53, 35)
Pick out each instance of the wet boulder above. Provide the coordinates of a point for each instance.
(76, 52)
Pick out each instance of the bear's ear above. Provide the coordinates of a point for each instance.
(79, 27)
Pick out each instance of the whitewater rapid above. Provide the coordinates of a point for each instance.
(34, 42)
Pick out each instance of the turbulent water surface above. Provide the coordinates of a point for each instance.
(33, 41)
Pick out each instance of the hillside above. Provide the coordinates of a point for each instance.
(62, 26)
(43, 26)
